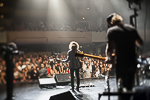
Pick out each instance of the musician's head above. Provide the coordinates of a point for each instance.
(73, 45)
(114, 19)
(109, 17)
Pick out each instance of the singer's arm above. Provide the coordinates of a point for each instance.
(109, 48)
(68, 57)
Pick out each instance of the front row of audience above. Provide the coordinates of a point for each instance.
(32, 68)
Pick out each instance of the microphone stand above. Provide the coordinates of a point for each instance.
(8, 52)
(8, 57)
(134, 17)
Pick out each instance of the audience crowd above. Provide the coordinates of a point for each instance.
(34, 67)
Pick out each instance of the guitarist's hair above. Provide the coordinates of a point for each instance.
(72, 44)
(116, 19)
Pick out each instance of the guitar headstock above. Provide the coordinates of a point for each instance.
(79, 53)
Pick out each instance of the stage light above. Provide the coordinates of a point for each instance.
(83, 18)
(80, 46)
(1, 4)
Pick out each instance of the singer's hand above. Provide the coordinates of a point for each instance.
(108, 60)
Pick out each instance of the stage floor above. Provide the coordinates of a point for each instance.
(31, 90)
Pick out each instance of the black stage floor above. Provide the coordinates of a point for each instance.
(31, 90)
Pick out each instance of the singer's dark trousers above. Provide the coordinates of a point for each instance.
(72, 77)
(126, 72)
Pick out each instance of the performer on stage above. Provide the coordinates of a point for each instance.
(73, 66)
(123, 38)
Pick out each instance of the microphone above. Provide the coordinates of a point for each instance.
(11, 49)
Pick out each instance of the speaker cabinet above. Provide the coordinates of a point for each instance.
(47, 82)
(63, 96)
(63, 79)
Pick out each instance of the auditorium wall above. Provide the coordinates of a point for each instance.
(49, 37)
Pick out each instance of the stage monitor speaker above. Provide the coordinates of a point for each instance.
(47, 82)
(63, 79)
(63, 96)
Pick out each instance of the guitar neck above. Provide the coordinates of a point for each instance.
(95, 57)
